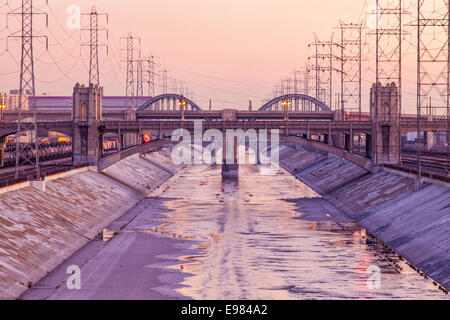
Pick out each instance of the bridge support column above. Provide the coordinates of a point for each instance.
(130, 139)
(385, 124)
(369, 146)
(338, 140)
(230, 165)
(349, 141)
(327, 140)
(328, 137)
(3, 142)
(120, 143)
(429, 140)
(87, 113)
(308, 131)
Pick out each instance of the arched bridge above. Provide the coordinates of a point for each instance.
(168, 101)
(299, 102)
(63, 127)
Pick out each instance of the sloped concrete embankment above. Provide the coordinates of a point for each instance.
(40, 229)
(416, 224)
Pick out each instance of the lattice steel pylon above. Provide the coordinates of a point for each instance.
(94, 29)
(322, 62)
(433, 69)
(307, 79)
(27, 84)
(388, 37)
(139, 80)
(351, 67)
(297, 81)
(150, 70)
(130, 69)
(130, 90)
(165, 79)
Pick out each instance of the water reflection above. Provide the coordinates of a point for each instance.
(272, 237)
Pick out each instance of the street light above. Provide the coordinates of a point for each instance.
(182, 103)
(286, 104)
(2, 108)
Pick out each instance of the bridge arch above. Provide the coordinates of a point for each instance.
(169, 97)
(11, 129)
(307, 103)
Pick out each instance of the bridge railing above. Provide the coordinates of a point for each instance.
(239, 124)
(152, 146)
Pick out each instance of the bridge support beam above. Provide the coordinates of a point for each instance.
(230, 165)
(348, 142)
(327, 139)
(369, 146)
(429, 140)
(130, 139)
(87, 112)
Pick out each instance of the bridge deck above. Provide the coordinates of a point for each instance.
(313, 126)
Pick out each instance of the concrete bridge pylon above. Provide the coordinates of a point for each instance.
(385, 124)
(230, 165)
(86, 116)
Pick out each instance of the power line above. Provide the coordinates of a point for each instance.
(220, 78)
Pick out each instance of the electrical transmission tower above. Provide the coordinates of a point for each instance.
(302, 79)
(165, 80)
(150, 70)
(174, 85)
(351, 67)
(297, 81)
(139, 80)
(389, 33)
(433, 71)
(181, 87)
(27, 83)
(94, 29)
(322, 62)
(286, 86)
(130, 53)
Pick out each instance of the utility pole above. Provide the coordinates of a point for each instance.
(139, 80)
(351, 66)
(174, 86)
(324, 62)
(433, 69)
(181, 87)
(151, 75)
(94, 70)
(389, 33)
(27, 83)
(164, 80)
(130, 80)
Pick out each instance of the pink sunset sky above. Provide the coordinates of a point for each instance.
(229, 51)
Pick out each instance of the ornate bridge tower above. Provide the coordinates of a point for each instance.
(385, 123)
(86, 115)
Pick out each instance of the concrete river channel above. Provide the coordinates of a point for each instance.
(200, 236)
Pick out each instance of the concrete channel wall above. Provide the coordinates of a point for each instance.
(41, 227)
(414, 223)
